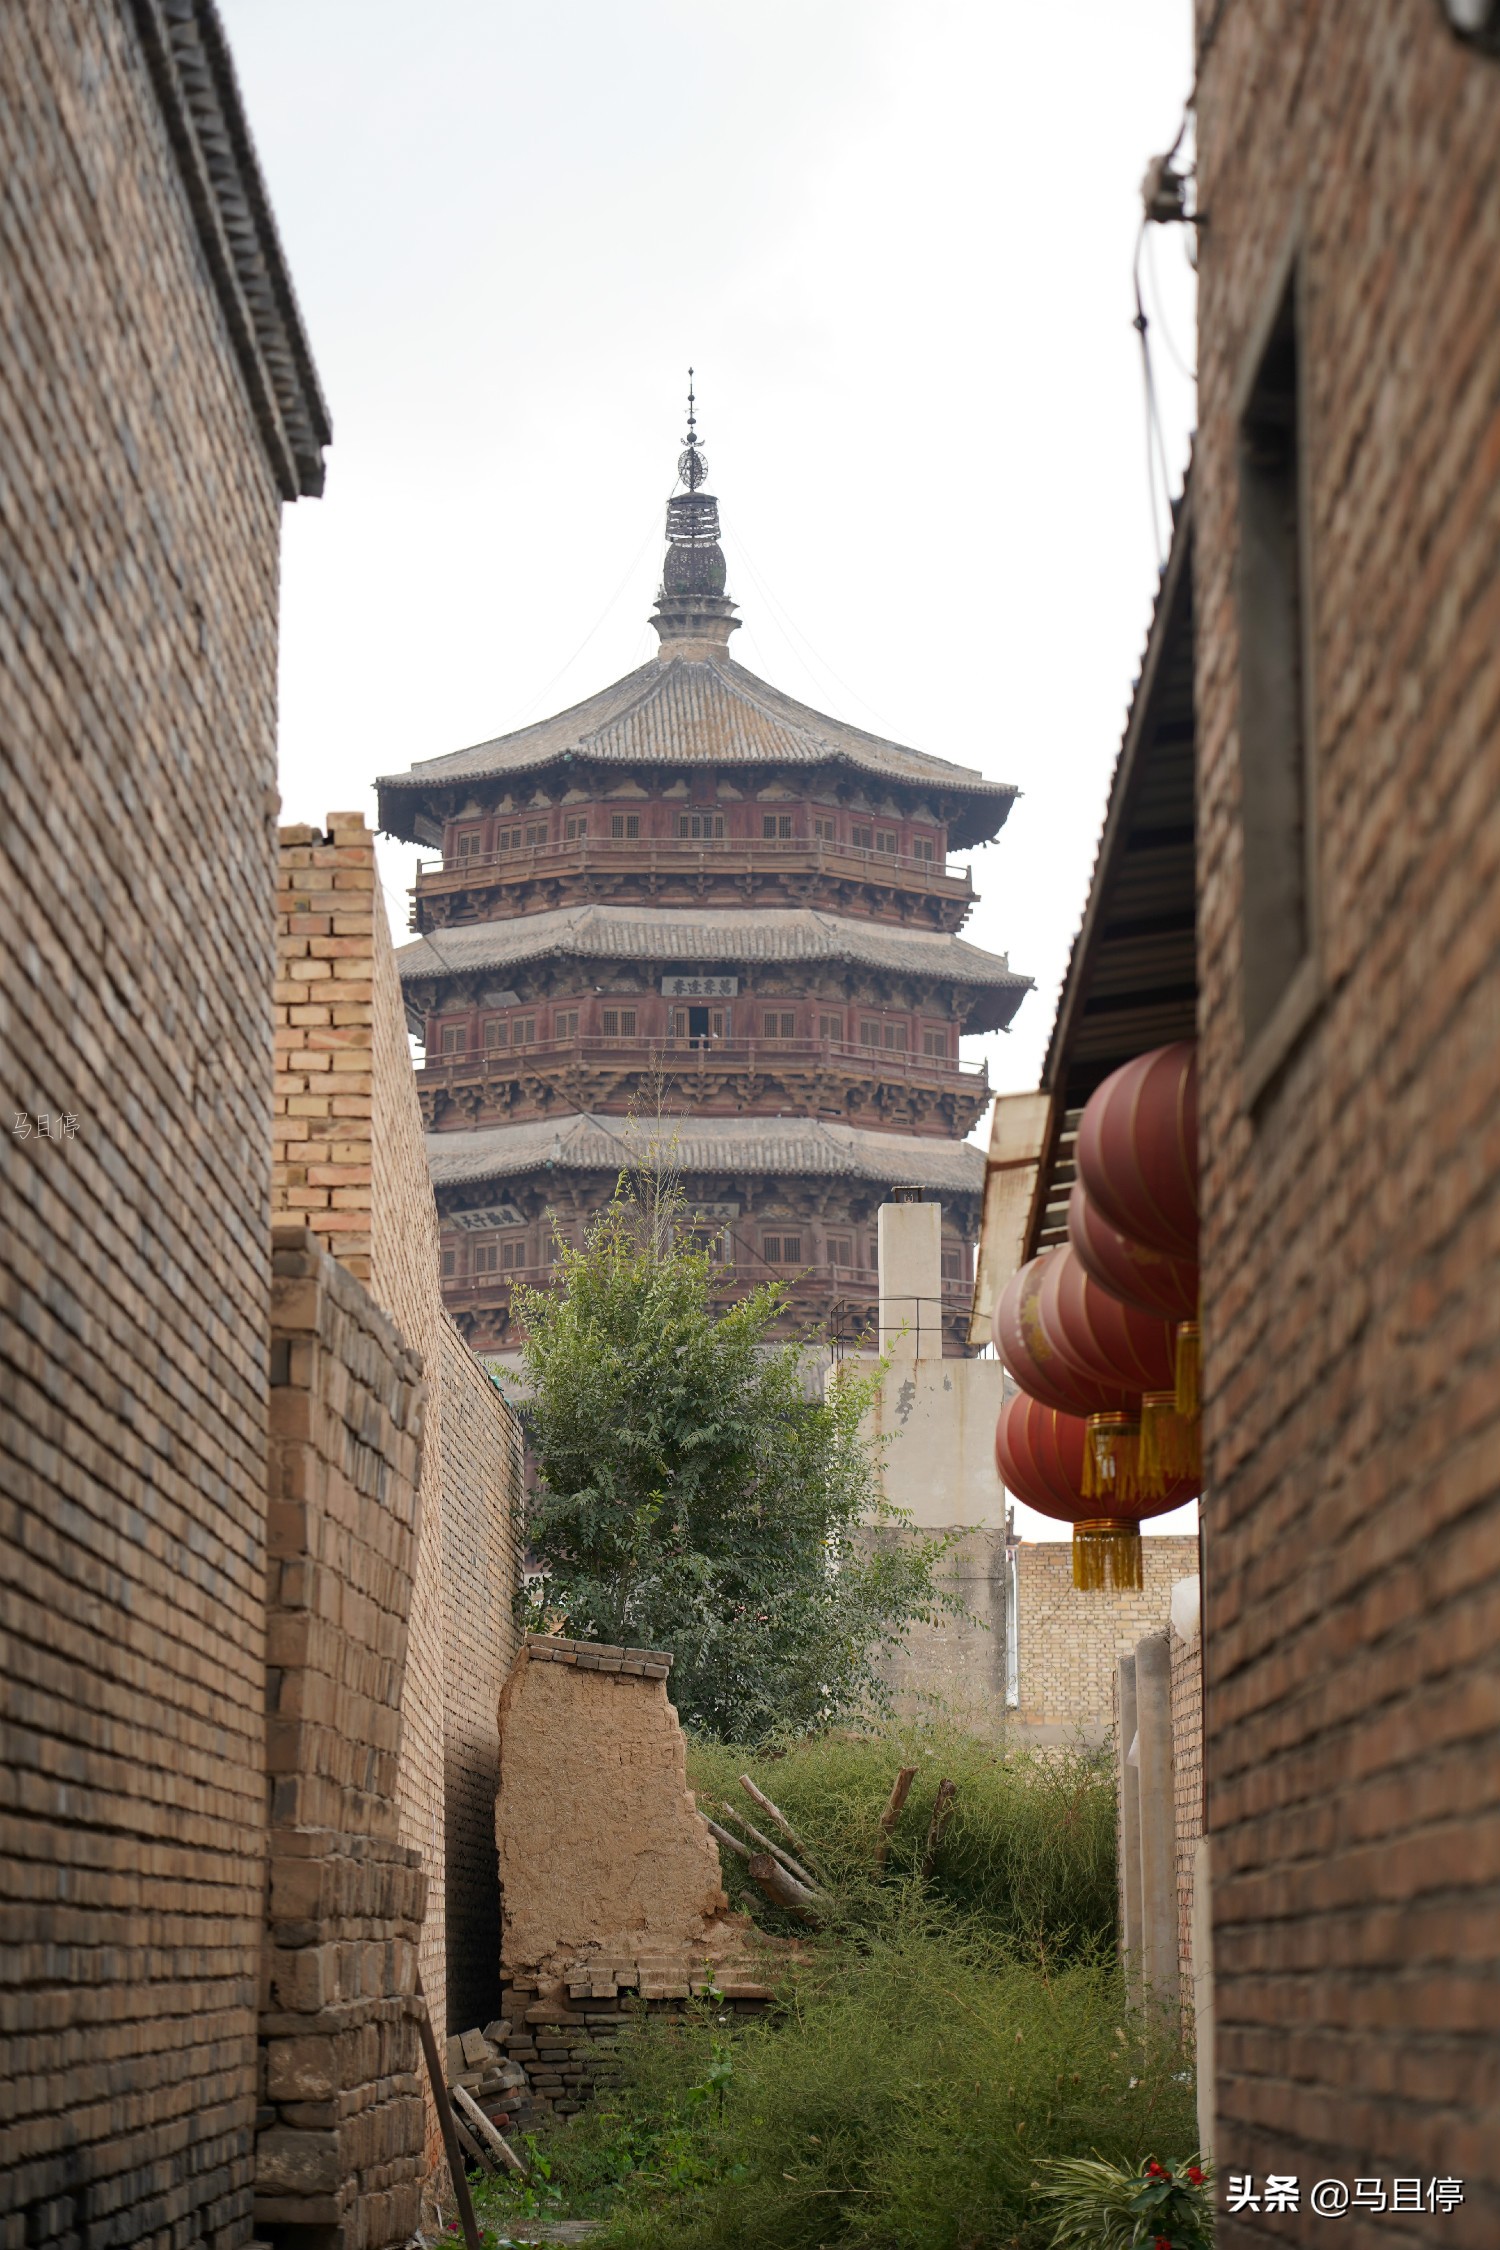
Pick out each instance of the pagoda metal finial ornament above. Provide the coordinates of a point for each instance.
(693, 614)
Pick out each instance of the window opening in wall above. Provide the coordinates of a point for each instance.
(469, 842)
(576, 824)
(536, 832)
(953, 1265)
(523, 1032)
(776, 824)
(869, 1032)
(1275, 775)
(455, 1039)
(698, 1023)
(831, 1027)
(494, 1032)
(863, 839)
(823, 827)
(840, 1250)
(507, 839)
(778, 1023)
(922, 848)
(895, 1037)
(486, 1257)
(935, 1042)
(625, 824)
(450, 1264)
(619, 1023)
(782, 1249)
(565, 1023)
(513, 1254)
(700, 824)
(887, 840)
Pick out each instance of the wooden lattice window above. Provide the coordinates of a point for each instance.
(523, 1032)
(935, 1041)
(625, 824)
(507, 839)
(953, 1265)
(782, 1249)
(470, 840)
(887, 840)
(576, 824)
(778, 1023)
(565, 1023)
(700, 824)
(486, 1257)
(840, 1250)
(922, 848)
(869, 1032)
(495, 1032)
(863, 839)
(895, 1038)
(831, 1027)
(455, 1039)
(776, 824)
(514, 1254)
(823, 826)
(450, 1264)
(619, 1023)
(536, 831)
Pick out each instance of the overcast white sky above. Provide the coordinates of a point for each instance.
(894, 237)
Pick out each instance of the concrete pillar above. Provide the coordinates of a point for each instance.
(1158, 1816)
(909, 1239)
(1203, 1993)
(1130, 1836)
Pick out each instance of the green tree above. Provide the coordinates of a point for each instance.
(694, 1497)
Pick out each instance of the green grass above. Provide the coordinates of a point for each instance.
(935, 2044)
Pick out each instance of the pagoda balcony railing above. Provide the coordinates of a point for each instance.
(678, 856)
(742, 1272)
(726, 1057)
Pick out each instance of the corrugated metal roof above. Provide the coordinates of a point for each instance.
(704, 937)
(782, 1146)
(695, 711)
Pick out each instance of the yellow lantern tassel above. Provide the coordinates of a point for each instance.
(1112, 1458)
(1189, 1350)
(1107, 1553)
(1169, 1444)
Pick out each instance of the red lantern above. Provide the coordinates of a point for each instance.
(1138, 1149)
(1032, 1358)
(1041, 1456)
(1129, 1270)
(1100, 1339)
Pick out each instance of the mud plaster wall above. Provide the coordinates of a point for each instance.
(601, 1849)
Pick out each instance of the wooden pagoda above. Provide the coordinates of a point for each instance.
(692, 882)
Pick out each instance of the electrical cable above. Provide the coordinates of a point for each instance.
(1190, 373)
(521, 716)
(792, 632)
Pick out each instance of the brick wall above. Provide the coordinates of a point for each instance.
(482, 1556)
(351, 1165)
(1352, 1324)
(1187, 1784)
(138, 586)
(341, 2142)
(1068, 1641)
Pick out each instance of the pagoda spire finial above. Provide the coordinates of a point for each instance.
(693, 614)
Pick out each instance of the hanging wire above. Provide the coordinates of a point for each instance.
(793, 635)
(1190, 373)
(526, 709)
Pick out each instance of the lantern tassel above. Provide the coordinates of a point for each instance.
(1189, 1354)
(1107, 1553)
(1112, 1458)
(1169, 1444)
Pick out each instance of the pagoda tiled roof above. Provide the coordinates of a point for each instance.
(696, 936)
(789, 1147)
(696, 711)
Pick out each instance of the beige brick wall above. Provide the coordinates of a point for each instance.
(138, 588)
(1187, 1784)
(351, 1165)
(341, 2141)
(1352, 1323)
(1068, 1641)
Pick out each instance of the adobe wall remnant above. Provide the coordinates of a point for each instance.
(610, 1881)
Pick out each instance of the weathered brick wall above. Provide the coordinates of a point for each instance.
(482, 1557)
(341, 2142)
(1187, 1783)
(351, 1165)
(1352, 1324)
(1068, 1641)
(138, 587)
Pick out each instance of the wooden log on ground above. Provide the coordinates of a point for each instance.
(941, 1810)
(488, 2130)
(774, 1883)
(778, 1817)
(724, 1837)
(900, 1791)
(792, 1866)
